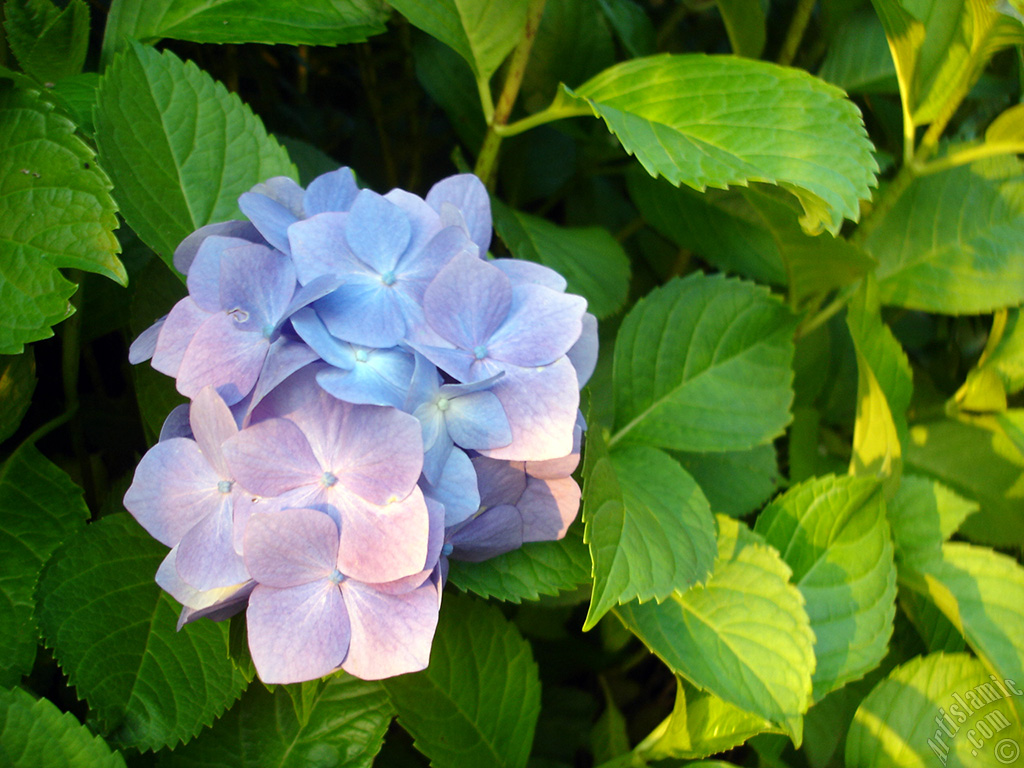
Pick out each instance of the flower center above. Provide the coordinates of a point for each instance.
(480, 352)
(447, 548)
(224, 486)
(337, 576)
(328, 479)
(443, 404)
(268, 331)
(388, 278)
(361, 356)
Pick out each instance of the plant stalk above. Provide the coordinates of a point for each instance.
(487, 160)
(795, 34)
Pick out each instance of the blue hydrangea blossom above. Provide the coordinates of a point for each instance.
(371, 396)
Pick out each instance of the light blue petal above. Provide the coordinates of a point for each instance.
(377, 231)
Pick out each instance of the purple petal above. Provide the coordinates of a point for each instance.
(377, 231)
(284, 190)
(417, 269)
(206, 554)
(391, 634)
(173, 489)
(583, 354)
(494, 532)
(145, 345)
(212, 423)
(467, 193)
(467, 301)
(541, 406)
(290, 547)
(176, 424)
(424, 222)
(272, 457)
(334, 191)
(500, 482)
(477, 421)
(222, 356)
(284, 358)
(270, 217)
(179, 327)
(383, 543)
(259, 282)
(364, 311)
(458, 363)
(456, 489)
(548, 507)
(297, 634)
(205, 273)
(319, 247)
(185, 253)
(540, 328)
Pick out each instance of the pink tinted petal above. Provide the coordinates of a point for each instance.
(185, 253)
(583, 354)
(291, 547)
(377, 231)
(212, 423)
(467, 301)
(494, 532)
(391, 634)
(554, 469)
(179, 327)
(548, 507)
(334, 191)
(383, 543)
(173, 489)
(145, 345)
(541, 327)
(198, 600)
(272, 457)
(297, 634)
(206, 554)
(467, 193)
(222, 356)
(541, 406)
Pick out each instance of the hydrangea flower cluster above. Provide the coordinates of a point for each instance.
(370, 396)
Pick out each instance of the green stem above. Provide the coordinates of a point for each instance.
(71, 356)
(483, 87)
(795, 35)
(826, 314)
(965, 156)
(554, 112)
(487, 160)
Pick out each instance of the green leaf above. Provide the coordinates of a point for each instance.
(949, 244)
(589, 258)
(978, 464)
(662, 538)
(477, 703)
(536, 568)
(76, 95)
(57, 213)
(113, 633)
(933, 710)
(833, 533)
(49, 42)
(744, 636)
(745, 25)
(178, 146)
(609, 737)
(483, 32)
(35, 734)
(858, 59)
(719, 121)
(17, 383)
(338, 721)
(309, 22)
(701, 724)
(814, 264)
(446, 77)
(39, 508)
(721, 227)
(704, 364)
(632, 25)
(735, 482)
(982, 593)
(937, 632)
(924, 513)
(1000, 369)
